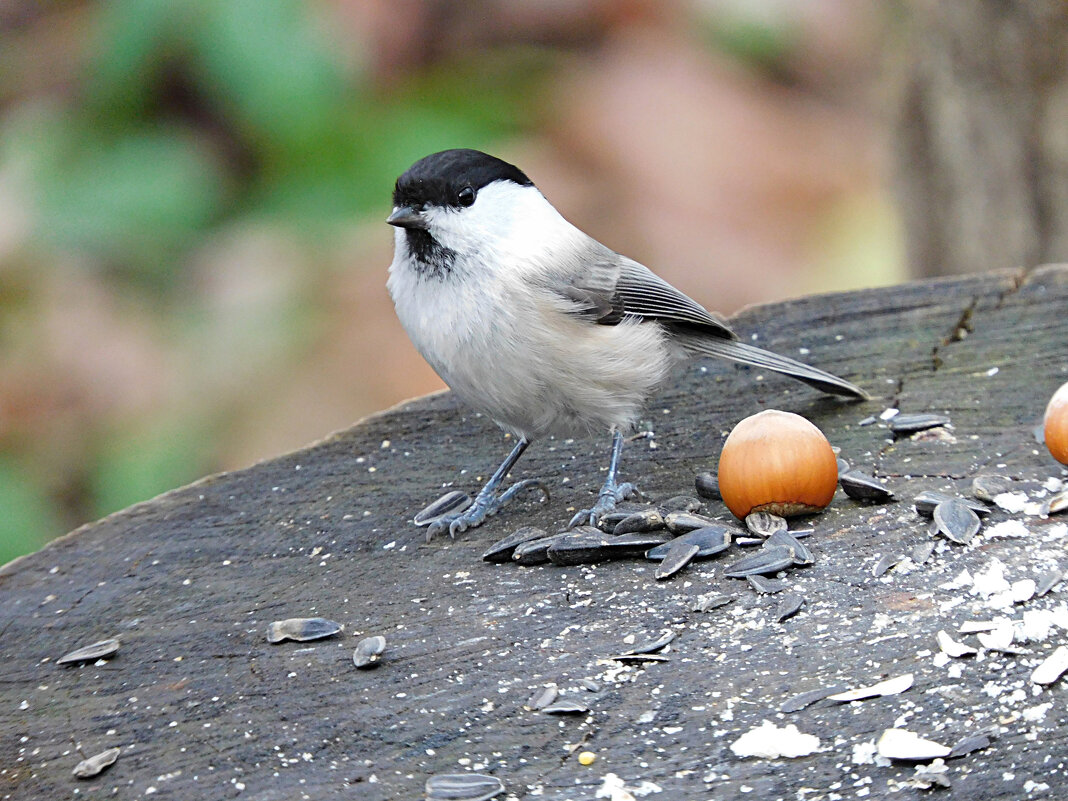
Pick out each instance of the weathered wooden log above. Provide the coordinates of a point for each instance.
(202, 706)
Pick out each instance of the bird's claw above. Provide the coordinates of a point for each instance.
(609, 496)
(483, 507)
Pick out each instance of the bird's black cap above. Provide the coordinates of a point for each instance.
(438, 178)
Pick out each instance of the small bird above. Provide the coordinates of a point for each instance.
(537, 325)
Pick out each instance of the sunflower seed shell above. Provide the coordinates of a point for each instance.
(707, 486)
(462, 787)
(90, 653)
(677, 557)
(710, 540)
(96, 764)
(368, 650)
(766, 560)
(860, 487)
(955, 521)
(764, 524)
(452, 502)
(640, 522)
(502, 550)
(301, 629)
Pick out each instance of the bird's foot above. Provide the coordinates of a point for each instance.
(486, 505)
(611, 494)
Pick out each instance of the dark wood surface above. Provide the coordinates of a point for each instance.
(203, 707)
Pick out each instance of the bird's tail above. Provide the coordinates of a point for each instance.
(758, 357)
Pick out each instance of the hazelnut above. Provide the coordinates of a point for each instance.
(777, 462)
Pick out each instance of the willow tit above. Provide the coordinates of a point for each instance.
(535, 324)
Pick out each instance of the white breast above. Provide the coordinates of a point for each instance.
(504, 344)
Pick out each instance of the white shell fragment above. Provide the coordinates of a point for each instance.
(1014, 502)
(90, 653)
(768, 741)
(1023, 590)
(301, 629)
(998, 639)
(368, 650)
(904, 744)
(615, 789)
(973, 626)
(96, 764)
(936, 774)
(951, 647)
(893, 686)
(1052, 667)
(462, 787)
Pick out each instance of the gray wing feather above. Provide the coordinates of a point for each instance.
(758, 357)
(608, 287)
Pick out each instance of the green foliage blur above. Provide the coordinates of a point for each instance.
(187, 118)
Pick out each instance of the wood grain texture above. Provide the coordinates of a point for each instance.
(981, 150)
(203, 707)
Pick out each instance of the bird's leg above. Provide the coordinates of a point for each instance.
(487, 502)
(611, 493)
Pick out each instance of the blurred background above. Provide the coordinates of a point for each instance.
(192, 192)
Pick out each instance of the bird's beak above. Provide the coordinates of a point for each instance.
(406, 217)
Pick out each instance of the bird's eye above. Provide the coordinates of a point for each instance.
(466, 196)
